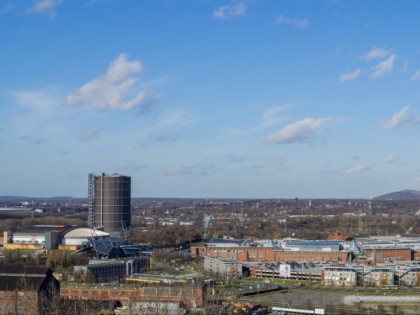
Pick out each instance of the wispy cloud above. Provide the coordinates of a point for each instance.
(299, 132)
(269, 117)
(74, 176)
(32, 140)
(178, 171)
(89, 134)
(134, 167)
(384, 67)
(391, 158)
(269, 165)
(38, 140)
(228, 12)
(350, 76)
(416, 76)
(376, 53)
(415, 180)
(44, 101)
(401, 118)
(205, 170)
(302, 23)
(47, 7)
(116, 89)
(176, 118)
(236, 158)
(357, 169)
(8, 7)
(166, 138)
(197, 169)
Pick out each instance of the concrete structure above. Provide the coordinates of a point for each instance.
(109, 202)
(276, 272)
(223, 268)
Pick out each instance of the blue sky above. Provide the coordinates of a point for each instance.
(196, 98)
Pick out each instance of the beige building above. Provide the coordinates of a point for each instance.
(223, 268)
(340, 276)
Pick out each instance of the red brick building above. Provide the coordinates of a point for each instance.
(192, 295)
(381, 255)
(26, 290)
(259, 254)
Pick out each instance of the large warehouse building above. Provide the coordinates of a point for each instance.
(109, 202)
(49, 237)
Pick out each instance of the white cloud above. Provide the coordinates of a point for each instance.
(391, 158)
(384, 67)
(350, 76)
(89, 134)
(229, 11)
(293, 22)
(116, 89)
(358, 169)
(47, 7)
(416, 76)
(376, 53)
(299, 132)
(400, 118)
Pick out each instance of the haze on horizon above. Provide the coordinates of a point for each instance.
(221, 99)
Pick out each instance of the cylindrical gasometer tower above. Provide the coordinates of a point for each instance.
(109, 202)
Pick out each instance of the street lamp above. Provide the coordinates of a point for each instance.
(258, 286)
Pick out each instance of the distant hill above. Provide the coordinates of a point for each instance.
(406, 194)
(58, 198)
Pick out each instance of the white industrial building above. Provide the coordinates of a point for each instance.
(78, 235)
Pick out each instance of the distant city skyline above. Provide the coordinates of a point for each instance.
(217, 99)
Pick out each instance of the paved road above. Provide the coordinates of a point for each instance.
(321, 299)
(349, 299)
